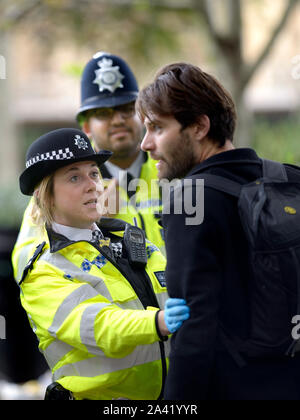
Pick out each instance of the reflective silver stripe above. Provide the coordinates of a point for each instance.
(27, 232)
(161, 299)
(23, 258)
(136, 303)
(78, 296)
(98, 366)
(148, 204)
(68, 267)
(87, 327)
(131, 304)
(55, 352)
(32, 323)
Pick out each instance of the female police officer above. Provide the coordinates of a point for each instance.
(92, 291)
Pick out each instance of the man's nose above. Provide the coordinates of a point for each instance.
(117, 117)
(147, 143)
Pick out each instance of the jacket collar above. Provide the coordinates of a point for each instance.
(58, 241)
(236, 156)
(106, 174)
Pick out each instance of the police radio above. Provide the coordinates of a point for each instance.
(135, 243)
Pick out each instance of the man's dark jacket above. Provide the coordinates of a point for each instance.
(208, 266)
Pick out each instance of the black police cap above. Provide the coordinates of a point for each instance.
(55, 150)
(107, 81)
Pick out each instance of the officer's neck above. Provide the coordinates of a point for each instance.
(124, 163)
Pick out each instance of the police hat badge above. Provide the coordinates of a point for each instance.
(107, 81)
(108, 76)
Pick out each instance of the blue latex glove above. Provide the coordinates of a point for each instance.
(176, 311)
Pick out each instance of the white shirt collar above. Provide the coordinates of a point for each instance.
(74, 234)
(134, 169)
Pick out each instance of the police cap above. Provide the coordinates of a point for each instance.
(54, 150)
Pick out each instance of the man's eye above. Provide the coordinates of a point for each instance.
(95, 174)
(153, 127)
(74, 178)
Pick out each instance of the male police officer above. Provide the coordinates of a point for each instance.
(107, 115)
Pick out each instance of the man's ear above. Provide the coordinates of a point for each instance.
(86, 128)
(201, 127)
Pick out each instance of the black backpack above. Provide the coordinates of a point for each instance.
(269, 210)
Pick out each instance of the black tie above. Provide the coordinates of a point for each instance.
(97, 235)
(130, 193)
(116, 248)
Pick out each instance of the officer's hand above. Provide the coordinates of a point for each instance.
(176, 311)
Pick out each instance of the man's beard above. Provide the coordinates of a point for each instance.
(180, 160)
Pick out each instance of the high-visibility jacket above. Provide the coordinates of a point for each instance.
(89, 314)
(147, 206)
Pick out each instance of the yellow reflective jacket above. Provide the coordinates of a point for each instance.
(89, 314)
(144, 207)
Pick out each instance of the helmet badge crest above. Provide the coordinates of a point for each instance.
(108, 77)
(80, 142)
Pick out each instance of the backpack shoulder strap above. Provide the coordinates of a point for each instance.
(274, 170)
(220, 183)
(271, 170)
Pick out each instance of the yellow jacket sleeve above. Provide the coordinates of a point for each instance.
(76, 314)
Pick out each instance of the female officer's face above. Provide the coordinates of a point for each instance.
(76, 191)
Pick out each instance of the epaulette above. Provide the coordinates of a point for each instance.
(39, 249)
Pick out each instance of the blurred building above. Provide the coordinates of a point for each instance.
(275, 88)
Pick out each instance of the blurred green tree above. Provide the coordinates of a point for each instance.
(148, 26)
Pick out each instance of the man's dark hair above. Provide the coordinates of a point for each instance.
(186, 92)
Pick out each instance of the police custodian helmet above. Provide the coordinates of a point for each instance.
(107, 81)
(54, 150)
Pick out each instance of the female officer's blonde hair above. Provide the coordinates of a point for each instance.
(41, 212)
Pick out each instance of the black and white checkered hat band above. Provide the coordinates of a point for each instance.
(60, 154)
